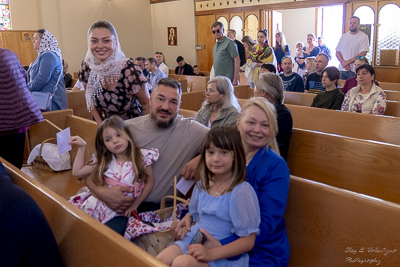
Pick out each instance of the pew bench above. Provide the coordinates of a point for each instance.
(195, 83)
(330, 226)
(389, 86)
(370, 127)
(192, 100)
(362, 166)
(392, 108)
(296, 98)
(243, 91)
(392, 95)
(62, 183)
(77, 102)
(82, 240)
(187, 113)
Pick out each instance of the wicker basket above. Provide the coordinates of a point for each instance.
(39, 162)
(155, 242)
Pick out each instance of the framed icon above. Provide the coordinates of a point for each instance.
(172, 36)
(26, 37)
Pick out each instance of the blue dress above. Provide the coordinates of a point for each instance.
(235, 212)
(269, 175)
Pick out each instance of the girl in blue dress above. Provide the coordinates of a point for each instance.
(223, 205)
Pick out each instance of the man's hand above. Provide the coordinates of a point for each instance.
(189, 170)
(114, 197)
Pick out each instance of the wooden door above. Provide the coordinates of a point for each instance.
(206, 39)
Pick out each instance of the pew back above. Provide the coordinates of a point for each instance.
(329, 226)
(296, 98)
(389, 86)
(363, 166)
(187, 113)
(192, 100)
(392, 95)
(82, 240)
(369, 127)
(392, 108)
(195, 83)
(243, 91)
(77, 102)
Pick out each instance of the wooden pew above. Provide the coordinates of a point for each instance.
(341, 83)
(192, 100)
(243, 91)
(73, 82)
(369, 127)
(329, 226)
(75, 75)
(187, 113)
(392, 95)
(77, 102)
(296, 98)
(182, 79)
(389, 86)
(62, 183)
(195, 83)
(242, 79)
(362, 166)
(82, 240)
(392, 108)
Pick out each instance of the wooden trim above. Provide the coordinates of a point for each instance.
(160, 1)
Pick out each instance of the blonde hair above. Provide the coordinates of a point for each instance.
(283, 44)
(224, 87)
(272, 85)
(104, 156)
(225, 138)
(311, 60)
(270, 112)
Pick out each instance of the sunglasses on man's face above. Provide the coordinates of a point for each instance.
(216, 31)
(360, 57)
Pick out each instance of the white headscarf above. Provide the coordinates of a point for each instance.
(109, 71)
(49, 43)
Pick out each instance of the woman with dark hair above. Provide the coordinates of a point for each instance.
(333, 97)
(281, 49)
(114, 84)
(262, 53)
(221, 107)
(270, 87)
(367, 97)
(46, 73)
(250, 68)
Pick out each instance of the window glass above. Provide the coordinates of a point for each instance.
(367, 21)
(251, 26)
(388, 35)
(5, 19)
(237, 25)
(224, 22)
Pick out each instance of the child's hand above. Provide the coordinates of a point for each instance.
(199, 252)
(76, 140)
(128, 212)
(179, 229)
(211, 242)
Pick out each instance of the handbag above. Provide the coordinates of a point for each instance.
(44, 100)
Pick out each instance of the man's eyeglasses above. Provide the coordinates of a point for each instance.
(360, 57)
(216, 31)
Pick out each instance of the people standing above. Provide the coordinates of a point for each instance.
(226, 56)
(323, 48)
(18, 110)
(352, 44)
(46, 73)
(114, 84)
(311, 50)
(242, 54)
(281, 49)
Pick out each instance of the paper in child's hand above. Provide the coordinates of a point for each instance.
(184, 185)
(63, 139)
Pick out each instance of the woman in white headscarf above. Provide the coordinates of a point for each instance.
(114, 85)
(46, 73)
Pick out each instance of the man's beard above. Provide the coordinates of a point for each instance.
(162, 124)
(354, 30)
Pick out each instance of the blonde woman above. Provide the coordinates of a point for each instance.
(310, 67)
(281, 49)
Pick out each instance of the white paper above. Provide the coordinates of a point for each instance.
(63, 139)
(184, 185)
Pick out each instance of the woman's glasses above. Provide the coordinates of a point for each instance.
(360, 57)
(216, 31)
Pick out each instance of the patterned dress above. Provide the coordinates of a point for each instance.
(122, 100)
(118, 173)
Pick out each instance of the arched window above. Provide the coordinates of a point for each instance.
(388, 35)
(251, 26)
(224, 22)
(367, 21)
(5, 19)
(237, 25)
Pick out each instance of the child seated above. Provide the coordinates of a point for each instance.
(196, 71)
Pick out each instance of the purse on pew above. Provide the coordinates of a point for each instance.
(45, 157)
(155, 242)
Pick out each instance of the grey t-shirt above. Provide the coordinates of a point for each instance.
(177, 145)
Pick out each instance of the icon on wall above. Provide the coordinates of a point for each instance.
(25, 37)
(172, 36)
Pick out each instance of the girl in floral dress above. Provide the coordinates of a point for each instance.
(119, 162)
(223, 205)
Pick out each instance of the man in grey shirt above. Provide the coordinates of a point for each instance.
(178, 140)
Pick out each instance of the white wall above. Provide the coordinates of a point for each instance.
(296, 24)
(69, 20)
(178, 14)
